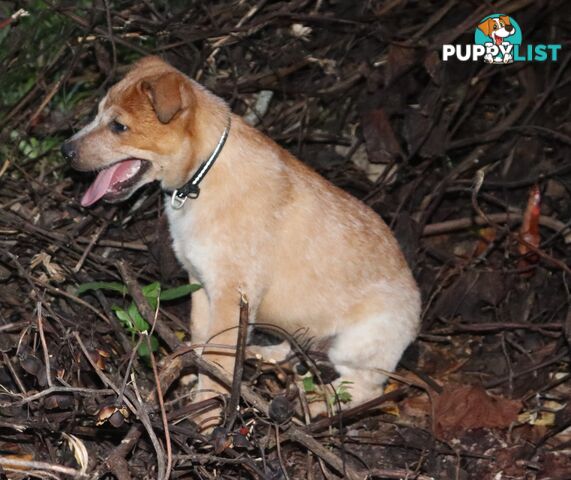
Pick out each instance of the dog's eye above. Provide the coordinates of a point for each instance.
(117, 127)
(495, 27)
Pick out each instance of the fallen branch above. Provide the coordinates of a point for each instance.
(478, 221)
(26, 465)
(234, 402)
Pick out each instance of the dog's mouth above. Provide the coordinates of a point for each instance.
(115, 181)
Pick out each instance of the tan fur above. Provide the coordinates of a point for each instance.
(307, 254)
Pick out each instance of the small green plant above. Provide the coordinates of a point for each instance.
(342, 393)
(317, 392)
(131, 318)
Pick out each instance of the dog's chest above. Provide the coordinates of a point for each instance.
(191, 246)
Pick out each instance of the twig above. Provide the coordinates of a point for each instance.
(129, 400)
(44, 345)
(69, 296)
(533, 368)
(12, 18)
(160, 400)
(350, 412)
(56, 389)
(15, 376)
(396, 473)
(94, 240)
(279, 452)
(461, 328)
(14, 463)
(510, 217)
(233, 403)
(134, 353)
(99, 30)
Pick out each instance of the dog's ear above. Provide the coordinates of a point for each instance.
(506, 20)
(486, 26)
(167, 93)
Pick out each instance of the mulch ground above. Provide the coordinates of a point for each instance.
(468, 162)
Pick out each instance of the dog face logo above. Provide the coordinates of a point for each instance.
(499, 33)
(498, 39)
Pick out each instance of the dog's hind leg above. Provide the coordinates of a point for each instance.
(361, 354)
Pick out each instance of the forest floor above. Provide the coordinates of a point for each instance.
(467, 162)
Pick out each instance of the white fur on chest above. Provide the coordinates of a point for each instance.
(191, 247)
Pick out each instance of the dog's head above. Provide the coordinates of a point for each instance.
(497, 28)
(144, 131)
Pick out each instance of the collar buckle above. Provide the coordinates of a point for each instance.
(177, 201)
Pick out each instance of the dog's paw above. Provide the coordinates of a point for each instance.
(188, 380)
(208, 398)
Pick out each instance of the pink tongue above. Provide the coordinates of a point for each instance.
(109, 177)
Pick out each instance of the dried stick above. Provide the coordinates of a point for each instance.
(159, 397)
(44, 345)
(94, 240)
(510, 217)
(48, 391)
(375, 402)
(20, 465)
(233, 404)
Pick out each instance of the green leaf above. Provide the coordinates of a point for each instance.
(179, 292)
(115, 286)
(152, 290)
(308, 384)
(144, 349)
(139, 323)
(124, 318)
(151, 293)
(342, 394)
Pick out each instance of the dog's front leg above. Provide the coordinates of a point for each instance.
(216, 333)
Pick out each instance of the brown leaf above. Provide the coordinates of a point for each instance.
(399, 60)
(380, 139)
(465, 407)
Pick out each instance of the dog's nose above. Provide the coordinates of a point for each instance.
(68, 151)
(509, 28)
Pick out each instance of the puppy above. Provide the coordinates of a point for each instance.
(498, 29)
(246, 216)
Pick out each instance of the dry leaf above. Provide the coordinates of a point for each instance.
(79, 451)
(54, 271)
(465, 407)
(529, 231)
